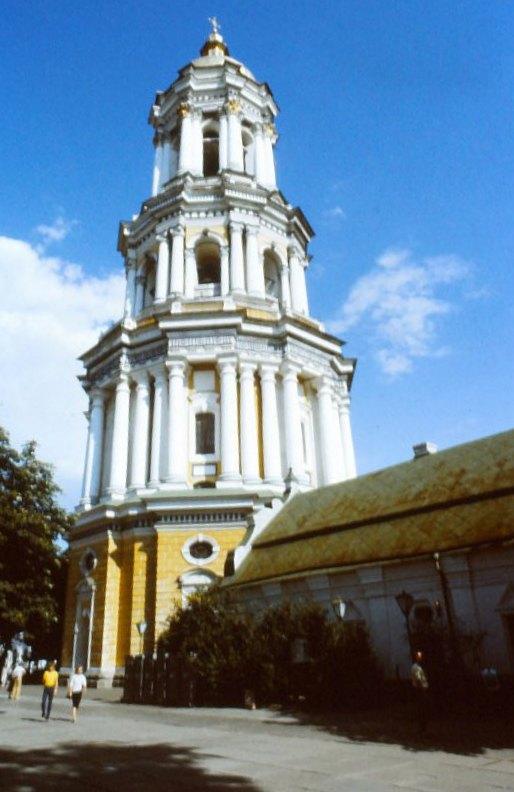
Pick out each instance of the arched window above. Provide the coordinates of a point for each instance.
(208, 263)
(149, 284)
(204, 432)
(271, 275)
(211, 154)
(248, 151)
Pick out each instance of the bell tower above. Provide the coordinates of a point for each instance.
(216, 395)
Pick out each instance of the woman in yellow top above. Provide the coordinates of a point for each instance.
(50, 683)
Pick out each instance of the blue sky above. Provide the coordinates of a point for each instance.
(396, 139)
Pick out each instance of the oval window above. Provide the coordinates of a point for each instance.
(201, 550)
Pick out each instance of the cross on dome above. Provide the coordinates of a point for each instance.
(215, 45)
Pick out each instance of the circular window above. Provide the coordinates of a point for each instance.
(200, 549)
(88, 562)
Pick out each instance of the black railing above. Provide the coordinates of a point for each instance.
(158, 679)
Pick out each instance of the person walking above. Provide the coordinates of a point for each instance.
(50, 683)
(76, 687)
(17, 675)
(419, 681)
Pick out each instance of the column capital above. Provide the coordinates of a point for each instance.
(236, 227)
(97, 395)
(177, 230)
(140, 378)
(161, 237)
(323, 385)
(268, 371)
(290, 370)
(227, 363)
(292, 250)
(184, 109)
(247, 367)
(176, 367)
(158, 372)
(252, 230)
(232, 106)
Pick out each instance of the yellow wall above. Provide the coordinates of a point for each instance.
(137, 578)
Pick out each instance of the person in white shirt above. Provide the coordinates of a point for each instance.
(76, 686)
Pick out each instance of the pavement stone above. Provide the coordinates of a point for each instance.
(119, 748)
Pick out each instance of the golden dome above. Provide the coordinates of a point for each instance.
(215, 44)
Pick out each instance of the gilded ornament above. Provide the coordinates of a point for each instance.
(184, 109)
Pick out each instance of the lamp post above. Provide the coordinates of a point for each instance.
(405, 602)
(141, 628)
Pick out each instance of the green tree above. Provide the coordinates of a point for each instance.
(32, 570)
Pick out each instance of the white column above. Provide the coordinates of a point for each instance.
(177, 260)
(285, 288)
(229, 429)
(270, 425)
(248, 423)
(159, 409)
(139, 460)
(140, 289)
(157, 167)
(292, 420)
(166, 161)
(260, 155)
(191, 273)
(185, 156)
(130, 290)
(235, 140)
(120, 435)
(197, 136)
(225, 273)
(326, 431)
(346, 435)
(296, 275)
(338, 442)
(271, 179)
(93, 464)
(163, 270)
(304, 302)
(254, 267)
(177, 419)
(223, 142)
(237, 276)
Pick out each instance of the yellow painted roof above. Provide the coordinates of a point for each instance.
(460, 497)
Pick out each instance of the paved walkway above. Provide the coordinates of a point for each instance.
(122, 748)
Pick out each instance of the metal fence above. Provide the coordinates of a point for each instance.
(158, 679)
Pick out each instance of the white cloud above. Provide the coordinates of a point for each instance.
(335, 213)
(51, 311)
(399, 304)
(56, 232)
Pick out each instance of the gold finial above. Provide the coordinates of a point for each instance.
(215, 44)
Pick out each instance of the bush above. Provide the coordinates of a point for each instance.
(288, 654)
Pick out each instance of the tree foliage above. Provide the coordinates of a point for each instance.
(287, 654)
(32, 571)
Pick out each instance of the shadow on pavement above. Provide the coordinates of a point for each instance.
(111, 766)
(470, 736)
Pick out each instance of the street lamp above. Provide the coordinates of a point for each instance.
(405, 602)
(339, 608)
(141, 628)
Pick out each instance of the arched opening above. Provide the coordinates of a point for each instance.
(272, 275)
(208, 267)
(248, 151)
(149, 282)
(195, 581)
(211, 153)
(204, 432)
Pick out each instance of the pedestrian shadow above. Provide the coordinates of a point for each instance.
(458, 734)
(111, 767)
